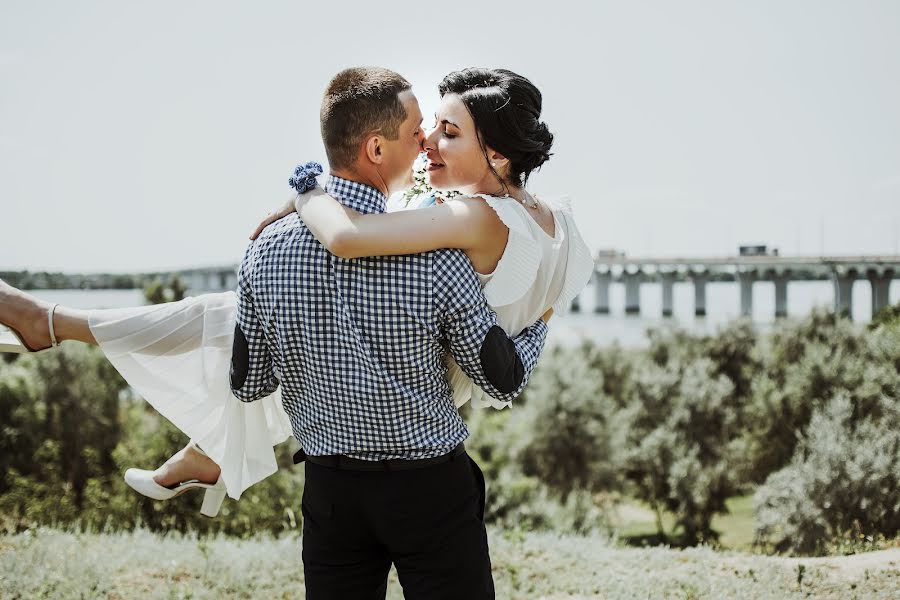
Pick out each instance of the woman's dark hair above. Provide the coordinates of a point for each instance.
(506, 108)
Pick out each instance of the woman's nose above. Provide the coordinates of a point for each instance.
(428, 142)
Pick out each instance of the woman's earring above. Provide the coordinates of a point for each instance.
(493, 164)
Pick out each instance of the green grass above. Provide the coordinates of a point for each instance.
(55, 564)
(736, 528)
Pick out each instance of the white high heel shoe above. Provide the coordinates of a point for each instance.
(141, 481)
(12, 342)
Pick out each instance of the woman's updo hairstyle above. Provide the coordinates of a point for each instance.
(506, 108)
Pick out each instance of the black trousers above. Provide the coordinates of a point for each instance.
(429, 522)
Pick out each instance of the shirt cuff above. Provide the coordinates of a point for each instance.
(540, 328)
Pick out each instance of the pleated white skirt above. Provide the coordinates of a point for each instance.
(178, 357)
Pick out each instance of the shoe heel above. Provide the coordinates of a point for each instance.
(212, 502)
(23, 347)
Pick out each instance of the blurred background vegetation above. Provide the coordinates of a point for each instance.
(787, 441)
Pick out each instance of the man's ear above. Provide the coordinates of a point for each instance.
(374, 149)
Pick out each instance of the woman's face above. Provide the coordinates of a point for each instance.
(455, 158)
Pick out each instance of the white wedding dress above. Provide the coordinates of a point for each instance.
(178, 355)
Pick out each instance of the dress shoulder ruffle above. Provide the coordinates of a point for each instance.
(580, 264)
(518, 267)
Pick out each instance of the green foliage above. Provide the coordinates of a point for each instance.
(684, 424)
(683, 441)
(70, 428)
(157, 292)
(804, 365)
(842, 482)
(25, 280)
(889, 316)
(514, 500)
(568, 444)
(63, 407)
(544, 458)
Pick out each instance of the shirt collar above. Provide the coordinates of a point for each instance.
(358, 196)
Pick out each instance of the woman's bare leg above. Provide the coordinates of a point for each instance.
(72, 324)
(28, 315)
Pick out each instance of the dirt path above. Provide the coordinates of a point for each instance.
(855, 565)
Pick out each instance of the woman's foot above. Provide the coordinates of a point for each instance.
(25, 314)
(188, 464)
(188, 469)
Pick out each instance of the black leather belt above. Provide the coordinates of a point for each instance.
(339, 461)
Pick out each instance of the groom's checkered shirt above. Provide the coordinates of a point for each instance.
(359, 345)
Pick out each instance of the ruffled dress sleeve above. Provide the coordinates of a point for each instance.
(580, 265)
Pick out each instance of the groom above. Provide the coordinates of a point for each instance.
(358, 347)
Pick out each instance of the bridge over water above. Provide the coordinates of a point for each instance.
(209, 279)
(843, 271)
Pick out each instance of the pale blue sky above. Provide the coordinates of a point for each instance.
(155, 135)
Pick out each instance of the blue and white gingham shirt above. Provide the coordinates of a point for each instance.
(359, 345)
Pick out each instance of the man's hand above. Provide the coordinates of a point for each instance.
(546, 316)
(282, 212)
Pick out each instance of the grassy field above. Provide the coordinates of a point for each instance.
(54, 564)
(637, 522)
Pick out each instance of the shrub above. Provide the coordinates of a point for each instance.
(806, 364)
(70, 427)
(683, 442)
(843, 480)
(545, 458)
(566, 442)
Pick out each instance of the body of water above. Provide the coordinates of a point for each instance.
(722, 301)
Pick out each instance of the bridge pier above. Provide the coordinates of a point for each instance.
(746, 280)
(668, 302)
(196, 283)
(881, 287)
(576, 305)
(781, 295)
(843, 292)
(632, 292)
(700, 280)
(601, 280)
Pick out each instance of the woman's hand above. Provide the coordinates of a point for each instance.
(282, 212)
(546, 316)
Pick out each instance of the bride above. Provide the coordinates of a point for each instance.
(529, 255)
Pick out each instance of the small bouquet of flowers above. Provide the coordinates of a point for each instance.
(421, 194)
